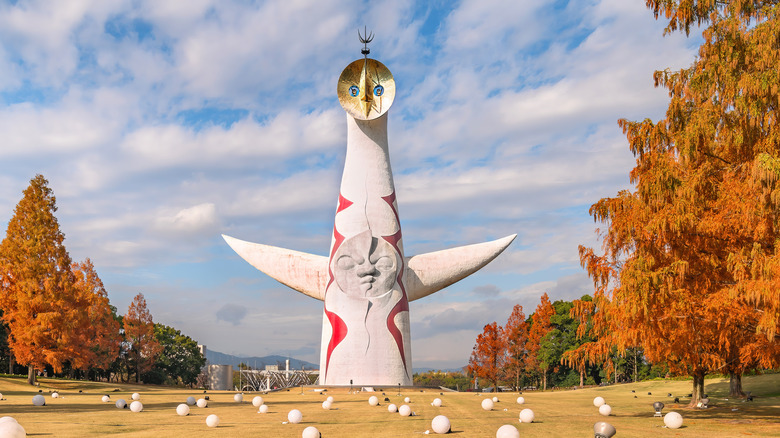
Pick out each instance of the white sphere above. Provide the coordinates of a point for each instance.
(294, 416)
(330, 399)
(257, 401)
(55, 394)
(326, 404)
(38, 400)
(202, 403)
(190, 401)
(487, 404)
(106, 399)
(212, 421)
(507, 431)
(673, 420)
(373, 400)
(407, 400)
(392, 408)
(598, 401)
(405, 410)
(121, 403)
(311, 432)
(440, 424)
(605, 410)
(4, 419)
(136, 396)
(183, 409)
(437, 402)
(262, 409)
(136, 406)
(495, 399)
(526, 416)
(238, 398)
(1, 395)
(12, 429)
(520, 400)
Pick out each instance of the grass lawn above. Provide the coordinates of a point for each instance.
(558, 413)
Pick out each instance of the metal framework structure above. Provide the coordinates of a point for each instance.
(269, 380)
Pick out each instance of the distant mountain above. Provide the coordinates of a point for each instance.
(259, 363)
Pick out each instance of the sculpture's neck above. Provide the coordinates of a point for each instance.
(367, 156)
(367, 182)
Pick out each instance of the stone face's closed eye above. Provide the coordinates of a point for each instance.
(346, 263)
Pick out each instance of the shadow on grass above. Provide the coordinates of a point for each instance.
(80, 408)
(745, 412)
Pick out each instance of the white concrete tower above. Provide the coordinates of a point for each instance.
(366, 282)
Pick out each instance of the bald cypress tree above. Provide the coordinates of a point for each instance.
(488, 357)
(691, 263)
(36, 283)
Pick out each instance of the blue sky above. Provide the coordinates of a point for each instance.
(161, 125)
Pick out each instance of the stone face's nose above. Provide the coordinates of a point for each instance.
(365, 268)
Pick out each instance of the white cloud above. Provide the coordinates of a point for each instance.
(504, 122)
(190, 220)
(69, 128)
(286, 135)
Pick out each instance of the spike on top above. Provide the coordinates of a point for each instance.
(365, 39)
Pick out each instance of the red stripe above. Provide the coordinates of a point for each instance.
(338, 327)
(402, 304)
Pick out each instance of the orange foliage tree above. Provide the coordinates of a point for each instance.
(516, 334)
(142, 346)
(691, 262)
(36, 284)
(489, 354)
(100, 331)
(540, 326)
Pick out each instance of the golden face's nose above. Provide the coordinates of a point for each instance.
(366, 95)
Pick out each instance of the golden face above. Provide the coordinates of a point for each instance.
(366, 89)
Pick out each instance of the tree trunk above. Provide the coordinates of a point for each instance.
(138, 367)
(544, 379)
(635, 373)
(582, 378)
(735, 385)
(11, 361)
(698, 388)
(31, 374)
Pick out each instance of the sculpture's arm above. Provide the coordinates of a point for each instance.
(431, 272)
(306, 273)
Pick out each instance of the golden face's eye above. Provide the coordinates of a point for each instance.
(366, 89)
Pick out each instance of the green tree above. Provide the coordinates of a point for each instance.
(180, 360)
(447, 379)
(36, 283)
(560, 339)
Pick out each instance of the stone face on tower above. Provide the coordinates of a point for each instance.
(366, 282)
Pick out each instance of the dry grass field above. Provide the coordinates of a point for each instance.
(558, 413)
